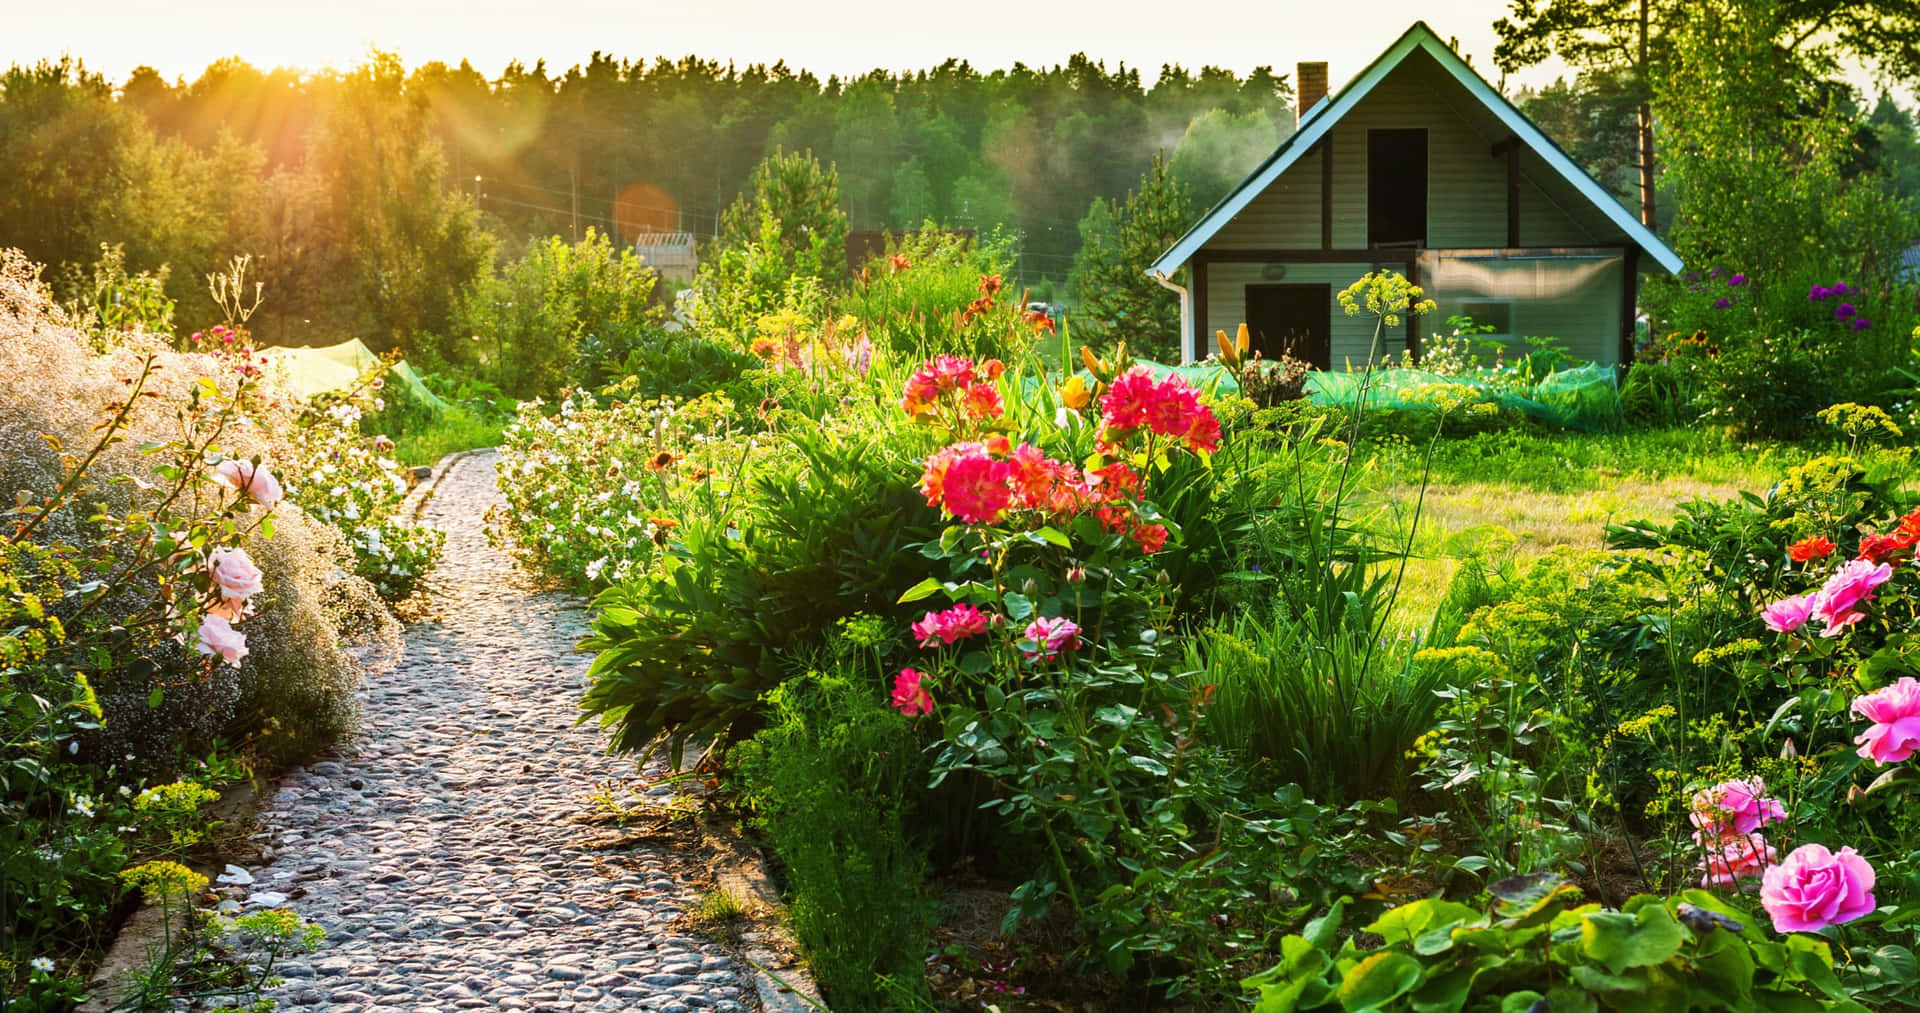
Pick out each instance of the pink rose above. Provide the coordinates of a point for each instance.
(1895, 713)
(909, 697)
(956, 623)
(1734, 857)
(1788, 614)
(1814, 888)
(1740, 806)
(1051, 637)
(234, 573)
(217, 636)
(254, 480)
(1838, 603)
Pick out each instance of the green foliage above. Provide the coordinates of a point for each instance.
(417, 249)
(1116, 299)
(913, 299)
(563, 314)
(817, 534)
(108, 302)
(1538, 947)
(1334, 714)
(341, 477)
(802, 198)
(1219, 149)
(832, 779)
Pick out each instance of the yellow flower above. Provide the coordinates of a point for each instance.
(1074, 393)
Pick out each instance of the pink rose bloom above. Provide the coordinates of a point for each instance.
(956, 623)
(1895, 713)
(217, 636)
(1735, 857)
(234, 573)
(909, 697)
(1814, 888)
(1788, 614)
(254, 480)
(1838, 603)
(976, 490)
(1051, 637)
(1739, 806)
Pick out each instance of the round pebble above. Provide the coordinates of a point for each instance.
(441, 848)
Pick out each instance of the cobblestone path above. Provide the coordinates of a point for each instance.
(440, 849)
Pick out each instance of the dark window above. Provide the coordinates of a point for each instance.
(1292, 319)
(1497, 315)
(1397, 187)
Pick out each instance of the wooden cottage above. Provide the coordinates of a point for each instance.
(1420, 166)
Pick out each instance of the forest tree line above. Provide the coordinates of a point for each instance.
(374, 199)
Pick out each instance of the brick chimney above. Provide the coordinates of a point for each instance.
(1311, 82)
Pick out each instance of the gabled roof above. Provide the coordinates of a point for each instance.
(1320, 119)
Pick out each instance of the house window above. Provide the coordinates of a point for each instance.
(1397, 187)
(1497, 315)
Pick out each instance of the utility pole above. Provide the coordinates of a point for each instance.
(573, 185)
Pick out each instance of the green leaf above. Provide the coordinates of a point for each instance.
(1377, 981)
(1520, 1002)
(1322, 930)
(1900, 775)
(1594, 979)
(1408, 921)
(1149, 764)
(154, 698)
(1053, 536)
(1019, 607)
(919, 591)
(1620, 940)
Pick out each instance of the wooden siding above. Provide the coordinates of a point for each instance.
(1466, 187)
(1227, 306)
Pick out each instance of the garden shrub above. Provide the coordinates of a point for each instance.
(1537, 947)
(821, 532)
(156, 597)
(350, 481)
(832, 781)
(563, 314)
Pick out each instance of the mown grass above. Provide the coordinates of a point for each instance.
(458, 428)
(1516, 495)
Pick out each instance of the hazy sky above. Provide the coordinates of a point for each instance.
(845, 37)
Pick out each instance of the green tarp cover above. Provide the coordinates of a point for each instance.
(1583, 397)
(310, 371)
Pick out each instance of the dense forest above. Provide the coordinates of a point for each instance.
(372, 199)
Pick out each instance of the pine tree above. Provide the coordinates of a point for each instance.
(1117, 300)
(804, 198)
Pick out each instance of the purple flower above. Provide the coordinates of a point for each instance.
(1845, 311)
(1737, 280)
(1819, 293)
(1841, 289)
(1861, 323)
(1722, 303)
(1715, 273)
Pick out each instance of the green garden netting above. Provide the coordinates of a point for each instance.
(310, 371)
(1584, 397)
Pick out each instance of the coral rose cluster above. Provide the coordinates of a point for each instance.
(954, 383)
(1168, 407)
(952, 626)
(982, 482)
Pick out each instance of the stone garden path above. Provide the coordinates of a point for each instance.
(441, 849)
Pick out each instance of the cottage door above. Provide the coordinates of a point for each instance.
(1292, 319)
